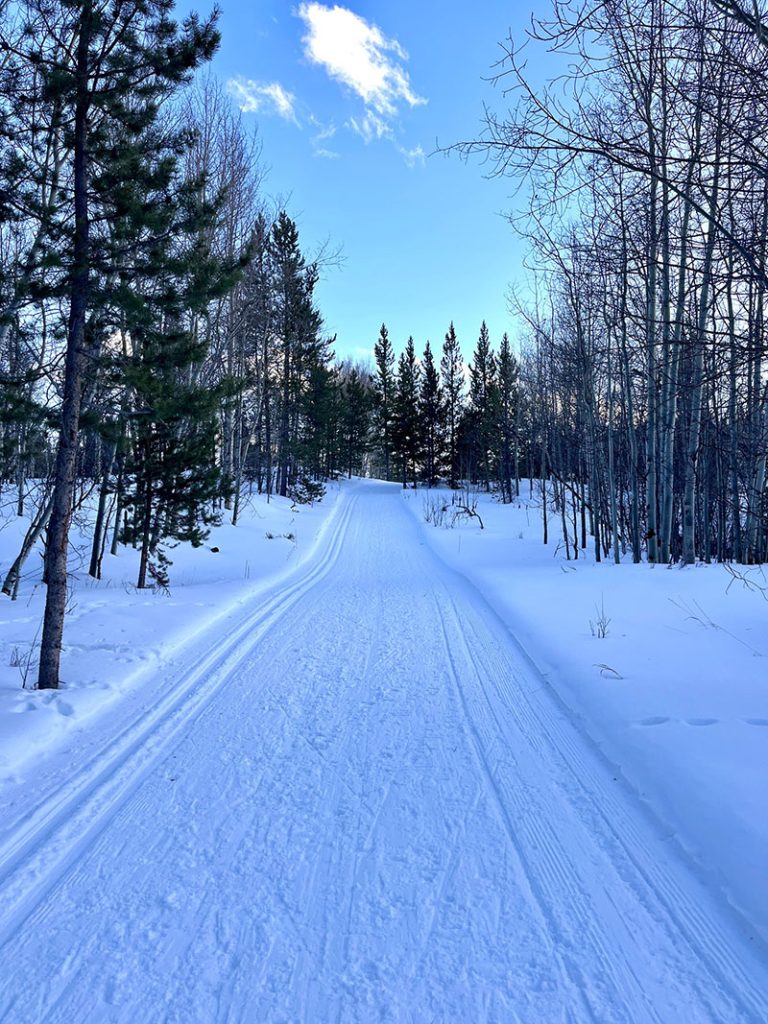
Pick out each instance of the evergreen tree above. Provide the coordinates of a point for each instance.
(384, 383)
(406, 427)
(508, 399)
(318, 418)
(432, 416)
(357, 406)
(482, 414)
(297, 323)
(170, 472)
(290, 288)
(259, 358)
(105, 72)
(452, 375)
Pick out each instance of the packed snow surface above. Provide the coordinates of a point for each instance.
(673, 689)
(362, 802)
(117, 639)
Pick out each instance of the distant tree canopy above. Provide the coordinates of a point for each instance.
(161, 342)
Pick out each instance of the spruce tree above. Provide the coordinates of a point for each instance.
(508, 398)
(482, 414)
(318, 422)
(356, 408)
(297, 324)
(384, 383)
(452, 375)
(289, 268)
(260, 373)
(432, 416)
(406, 427)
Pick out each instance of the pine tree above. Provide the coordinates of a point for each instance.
(356, 409)
(482, 414)
(384, 383)
(318, 418)
(302, 352)
(259, 371)
(432, 416)
(406, 427)
(290, 302)
(508, 398)
(452, 375)
(170, 473)
(106, 72)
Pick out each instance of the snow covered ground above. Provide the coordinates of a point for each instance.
(356, 798)
(119, 640)
(676, 693)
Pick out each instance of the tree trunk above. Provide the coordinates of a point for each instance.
(74, 372)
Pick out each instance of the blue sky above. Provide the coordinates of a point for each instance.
(350, 101)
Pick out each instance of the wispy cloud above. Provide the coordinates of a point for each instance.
(371, 126)
(356, 53)
(323, 133)
(415, 157)
(263, 98)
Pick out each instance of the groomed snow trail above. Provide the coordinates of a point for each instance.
(378, 812)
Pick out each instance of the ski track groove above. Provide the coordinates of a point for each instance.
(570, 978)
(561, 743)
(384, 815)
(113, 774)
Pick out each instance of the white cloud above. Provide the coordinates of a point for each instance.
(413, 157)
(324, 133)
(370, 126)
(358, 54)
(263, 97)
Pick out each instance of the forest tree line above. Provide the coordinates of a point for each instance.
(162, 349)
(160, 342)
(645, 166)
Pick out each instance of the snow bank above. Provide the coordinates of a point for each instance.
(118, 638)
(676, 693)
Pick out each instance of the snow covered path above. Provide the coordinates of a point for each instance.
(379, 812)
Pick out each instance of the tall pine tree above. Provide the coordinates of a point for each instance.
(452, 375)
(107, 71)
(482, 415)
(406, 431)
(384, 383)
(508, 398)
(171, 473)
(432, 416)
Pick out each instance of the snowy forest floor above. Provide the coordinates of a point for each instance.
(122, 641)
(675, 694)
(362, 785)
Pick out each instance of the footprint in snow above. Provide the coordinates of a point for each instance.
(700, 721)
(756, 721)
(656, 720)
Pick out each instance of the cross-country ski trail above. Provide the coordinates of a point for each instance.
(366, 806)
